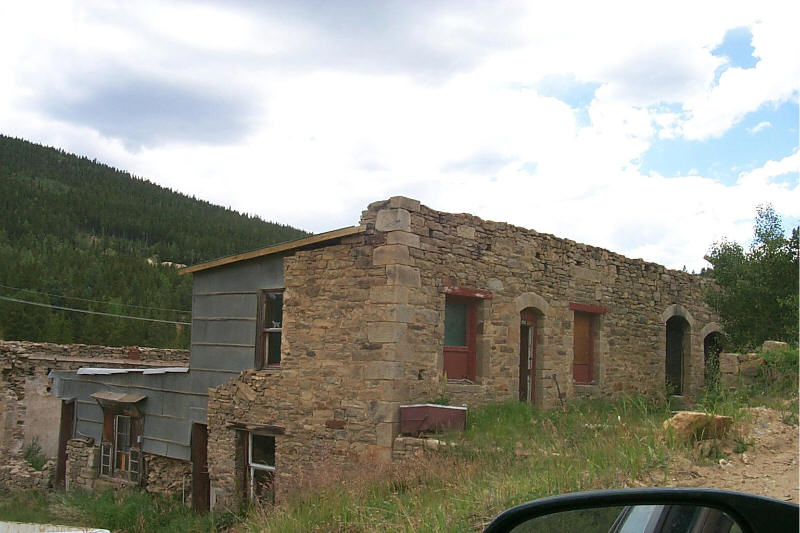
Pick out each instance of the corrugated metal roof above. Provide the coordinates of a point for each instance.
(89, 371)
(117, 397)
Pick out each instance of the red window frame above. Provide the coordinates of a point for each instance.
(583, 372)
(460, 361)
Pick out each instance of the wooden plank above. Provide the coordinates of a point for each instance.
(284, 247)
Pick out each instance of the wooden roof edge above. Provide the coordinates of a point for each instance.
(274, 249)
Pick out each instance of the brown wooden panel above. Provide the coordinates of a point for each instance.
(201, 484)
(583, 363)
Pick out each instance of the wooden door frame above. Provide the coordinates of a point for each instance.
(201, 483)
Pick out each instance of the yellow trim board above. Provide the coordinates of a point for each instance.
(277, 248)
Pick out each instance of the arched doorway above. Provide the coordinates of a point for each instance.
(529, 334)
(712, 347)
(677, 347)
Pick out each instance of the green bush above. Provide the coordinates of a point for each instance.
(33, 454)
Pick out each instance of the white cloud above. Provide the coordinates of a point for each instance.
(760, 126)
(351, 104)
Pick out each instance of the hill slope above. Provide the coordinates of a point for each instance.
(73, 230)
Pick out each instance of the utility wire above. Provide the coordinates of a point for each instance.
(93, 312)
(94, 301)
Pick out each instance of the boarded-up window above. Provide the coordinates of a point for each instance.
(583, 348)
(269, 327)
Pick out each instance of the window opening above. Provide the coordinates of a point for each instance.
(460, 337)
(120, 453)
(269, 327)
(261, 467)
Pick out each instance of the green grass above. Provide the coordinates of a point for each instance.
(124, 510)
(511, 453)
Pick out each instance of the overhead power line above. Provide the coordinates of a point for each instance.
(38, 304)
(94, 301)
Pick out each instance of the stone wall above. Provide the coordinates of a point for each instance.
(83, 464)
(364, 326)
(168, 476)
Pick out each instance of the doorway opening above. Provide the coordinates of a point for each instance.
(712, 347)
(529, 346)
(677, 348)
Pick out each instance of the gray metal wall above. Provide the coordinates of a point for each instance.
(224, 304)
(223, 344)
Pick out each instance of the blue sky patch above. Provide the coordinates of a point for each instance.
(565, 87)
(530, 167)
(770, 133)
(737, 47)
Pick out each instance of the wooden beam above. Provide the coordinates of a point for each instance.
(278, 248)
(468, 293)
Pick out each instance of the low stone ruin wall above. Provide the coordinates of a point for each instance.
(743, 368)
(28, 409)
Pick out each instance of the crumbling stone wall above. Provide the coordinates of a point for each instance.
(83, 464)
(168, 476)
(364, 326)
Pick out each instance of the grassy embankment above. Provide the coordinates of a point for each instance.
(511, 453)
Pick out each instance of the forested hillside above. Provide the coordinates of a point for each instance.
(75, 233)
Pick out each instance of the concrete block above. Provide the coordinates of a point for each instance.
(386, 331)
(391, 254)
(403, 202)
(393, 220)
(384, 370)
(393, 294)
(466, 232)
(403, 237)
(386, 432)
(403, 275)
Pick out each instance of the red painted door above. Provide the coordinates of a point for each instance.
(583, 363)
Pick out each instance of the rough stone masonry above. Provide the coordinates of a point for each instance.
(364, 327)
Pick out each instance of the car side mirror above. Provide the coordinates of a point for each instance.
(668, 510)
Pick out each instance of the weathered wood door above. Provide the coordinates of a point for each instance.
(66, 427)
(201, 484)
(583, 349)
(527, 356)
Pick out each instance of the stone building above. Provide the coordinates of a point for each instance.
(305, 351)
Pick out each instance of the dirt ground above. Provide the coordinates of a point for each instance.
(768, 467)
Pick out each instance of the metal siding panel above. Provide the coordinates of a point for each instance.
(155, 447)
(260, 273)
(225, 331)
(225, 305)
(179, 452)
(222, 357)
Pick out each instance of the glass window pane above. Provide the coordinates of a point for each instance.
(263, 450)
(263, 485)
(273, 348)
(455, 324)
(274, 310)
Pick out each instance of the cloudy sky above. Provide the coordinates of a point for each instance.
(648, 129)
